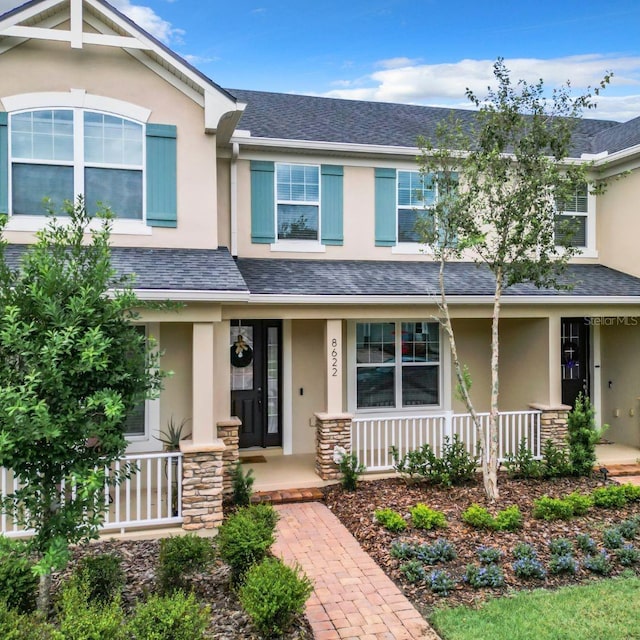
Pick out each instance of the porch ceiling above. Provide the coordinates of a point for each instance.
(404, 278)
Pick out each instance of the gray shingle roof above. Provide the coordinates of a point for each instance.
(296, 117)
(616, 138)
(170, 269)
(395, 278)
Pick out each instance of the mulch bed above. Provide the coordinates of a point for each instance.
(139, 562)
(355, 511)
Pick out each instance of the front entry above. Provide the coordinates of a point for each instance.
(575, 359)
(256, 357)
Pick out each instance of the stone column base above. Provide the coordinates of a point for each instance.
(202, 469)
(331, 430)
(553, 424)
(228, 432)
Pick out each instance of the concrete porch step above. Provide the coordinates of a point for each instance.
(287, 496)
(621, 470)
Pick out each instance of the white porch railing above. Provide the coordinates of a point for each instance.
(372, 438)
(150, 497)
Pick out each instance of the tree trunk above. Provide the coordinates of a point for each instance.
(44, 596)
(491, 475)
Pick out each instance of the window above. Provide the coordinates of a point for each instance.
(298, 202)
(59, 153)
(397, 365)
(572, 219)
(416, 195)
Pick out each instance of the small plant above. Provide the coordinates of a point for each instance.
(555, 460)
(628, 555)
(522, 464)
(529, 568)
(632, 492)
(612, 496)
(560, 547)
(563, 563)
(175, 617)
(20, 626)
(441, 582)
(586, 543)
(478, 517)
(402, 550)
(273, 595)
(580, 503)
(245, 538)
(598, 563)
(181, 556)
(489, 555)
(485, 576)
(524, 550)
(350, 468)
(173, 434)
(103, 576)
(547, 508)
(390, 520)
(440, 551)
(413, 571)
(423, 517)
(509, 519)
(612, 538)
(18, 582)
(629, 528)
(241, 484)
(583, 436)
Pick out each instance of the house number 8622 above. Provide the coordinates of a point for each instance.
(333, 358)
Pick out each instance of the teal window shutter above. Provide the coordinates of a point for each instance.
(331, 204)
(162, 201)
(4, 163)
(263, 218)
(385, 207)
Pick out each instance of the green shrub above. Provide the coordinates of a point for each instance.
(583, 436)
(81, 619)
(612, 496)
(547, 508)
(563, 563)
(612, 538)
(524, 550)
(628, 555)
(245, 538)
(273, 594)
(489, 555)
(529, 567)
(423, 517)
(241, 485)
(103, 576)
(555, 460)
(179, 557)
(632, 492)
(478, 517)
(598, 563)
(580, 503)
(402, 550)
(18, 583)
(490, 575)
(350, 469)
(509, 519)
(18, 626)
(175, 617)
(560, 547)
(522, 464)
(440, 551)
(441, 582)
(390, 520)
(586, 543)
(629, 528)
(413, 571)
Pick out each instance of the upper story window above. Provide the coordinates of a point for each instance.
(574, 211)
(298, 201)
(416, 195)
(397, 365)
(58, 153)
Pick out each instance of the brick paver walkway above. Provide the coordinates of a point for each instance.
(353, 598)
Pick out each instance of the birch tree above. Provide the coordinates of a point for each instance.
(499, 182)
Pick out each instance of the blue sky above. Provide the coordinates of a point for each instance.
(421, 52)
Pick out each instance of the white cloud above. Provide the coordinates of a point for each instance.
(445, 84)
(195, 59)
(142, 15)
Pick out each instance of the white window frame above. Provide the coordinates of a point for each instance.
(78, 100)
(297, 245)
(444, 373)
(148, 441)
(410, 248)
(590, 249)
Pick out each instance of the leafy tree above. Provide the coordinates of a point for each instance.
(72, 367)
(499, 178)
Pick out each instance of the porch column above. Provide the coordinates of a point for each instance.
(228, 432)
(555, 368)
(553, 423)
(333, 350)
(203, 420)
(331, 431)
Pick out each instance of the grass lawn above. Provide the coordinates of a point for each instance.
(607, 609)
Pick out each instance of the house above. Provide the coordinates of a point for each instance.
(284, 224)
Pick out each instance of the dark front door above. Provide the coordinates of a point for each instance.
(256, 354)
(575, 359)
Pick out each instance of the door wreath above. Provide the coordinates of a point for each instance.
(570, 353)
(241, 353)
